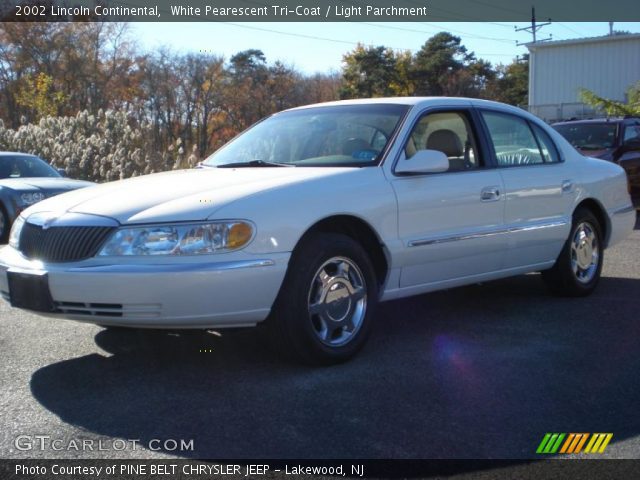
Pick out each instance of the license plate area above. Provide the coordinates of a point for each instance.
(30, 291)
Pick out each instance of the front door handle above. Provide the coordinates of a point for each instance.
(490, 194)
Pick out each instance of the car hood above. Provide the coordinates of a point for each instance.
(46, 184)
(183, 195)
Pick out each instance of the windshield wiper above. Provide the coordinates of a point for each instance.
(255, 163)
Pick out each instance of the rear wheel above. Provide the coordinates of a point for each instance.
(323, 313)
(577, 270)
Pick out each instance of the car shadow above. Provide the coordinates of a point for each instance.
(476, 372)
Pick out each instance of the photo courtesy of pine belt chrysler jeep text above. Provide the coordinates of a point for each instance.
(314, 215)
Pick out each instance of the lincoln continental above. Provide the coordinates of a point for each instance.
(310, 218)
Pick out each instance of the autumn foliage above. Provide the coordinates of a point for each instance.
(85, 98)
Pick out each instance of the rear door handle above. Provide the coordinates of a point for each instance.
(490, 194)
(567, 186)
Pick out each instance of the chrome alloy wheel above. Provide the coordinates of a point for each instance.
(585, 253)
(337, 301)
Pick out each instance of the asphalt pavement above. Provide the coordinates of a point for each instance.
(477, 372)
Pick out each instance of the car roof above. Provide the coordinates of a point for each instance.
(416, 101)
(424, 102)
(370, 101)
(16, 154)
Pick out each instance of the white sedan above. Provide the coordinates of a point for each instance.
(311, 217)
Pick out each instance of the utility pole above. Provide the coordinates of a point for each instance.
(533, 29)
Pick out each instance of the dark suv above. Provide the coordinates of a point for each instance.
(613, 139)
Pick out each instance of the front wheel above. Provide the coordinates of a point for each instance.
(323, 313)
(577, 269)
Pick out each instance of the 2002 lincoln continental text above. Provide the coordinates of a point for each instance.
(314, 215)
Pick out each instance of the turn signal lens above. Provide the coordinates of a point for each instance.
(239, 235)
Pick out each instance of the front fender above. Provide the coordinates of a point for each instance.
(282, 215)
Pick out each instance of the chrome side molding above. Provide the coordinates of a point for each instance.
(489, 233)
(623, 210)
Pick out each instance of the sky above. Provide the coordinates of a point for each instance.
(318, 47)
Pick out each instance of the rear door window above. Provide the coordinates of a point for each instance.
(548, 148)
(513, 140)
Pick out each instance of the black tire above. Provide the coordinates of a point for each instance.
(295, 332)
(567, 277)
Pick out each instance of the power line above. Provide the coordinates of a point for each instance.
(391, 27)
(506, 25)
(457, 16)
(467, 34)
(347, 42)
(438, 28)
(566, 27)
(471, 35)
(302, 35)
(314, 37)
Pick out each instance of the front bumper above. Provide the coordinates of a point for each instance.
(235, 291)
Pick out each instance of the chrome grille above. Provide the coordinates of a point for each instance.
(61, 244)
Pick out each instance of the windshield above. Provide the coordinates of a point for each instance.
(589, 136)
(21, 166)
(344, 135)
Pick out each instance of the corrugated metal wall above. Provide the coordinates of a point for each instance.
(605, 65)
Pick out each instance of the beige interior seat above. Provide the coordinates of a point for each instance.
(448, 142)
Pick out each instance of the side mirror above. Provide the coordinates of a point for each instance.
(62, 172)
(423, 161)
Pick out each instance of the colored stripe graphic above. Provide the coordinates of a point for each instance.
(556, 445)
(550, 443)
(574, 443)
(568, 442)
(606, 442)
(544, 441)
(598, 442)
(581, 442)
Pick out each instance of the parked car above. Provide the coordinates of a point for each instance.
(311, 217)
(615, 139)
(25, 180)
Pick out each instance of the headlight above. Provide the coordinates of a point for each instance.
(32, 197)
(16, 230)
(192, 239)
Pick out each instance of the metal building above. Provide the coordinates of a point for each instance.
(606, 65)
